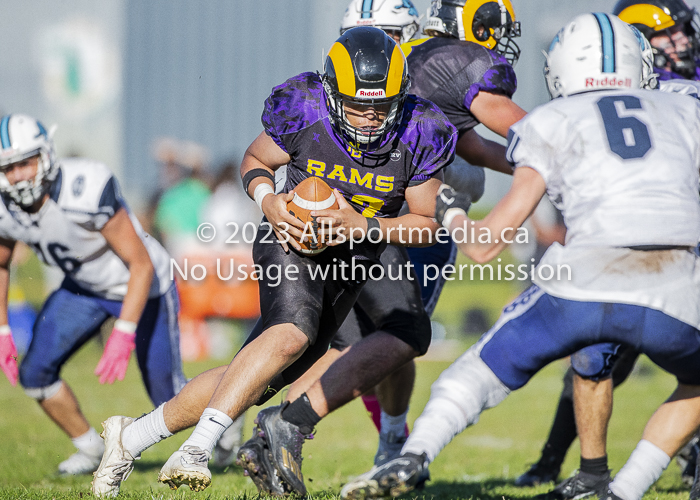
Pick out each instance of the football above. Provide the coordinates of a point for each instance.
(311, 194)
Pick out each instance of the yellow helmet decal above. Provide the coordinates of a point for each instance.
(396, 69)
(468, 13)
(509, 8)
(344, 73)
(407, 47)
(647, 15)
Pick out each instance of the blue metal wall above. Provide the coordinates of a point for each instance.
(200, 70)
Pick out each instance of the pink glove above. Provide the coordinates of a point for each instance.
(115, 359)
(8, 354)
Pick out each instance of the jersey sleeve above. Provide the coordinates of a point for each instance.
(498, 79)
(109, 204)
(89, 192)
(536, 141)
(6, 223)
(291, 107)
(436, 140)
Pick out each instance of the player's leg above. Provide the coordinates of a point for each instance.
(386, 403)
(671, 426)
(394, 395)
(563, 430)
(526, 337)
(394, 305)
(561, 436)
(312, 374)
(65, 323)
(292, 321)
(592, 389)
(676, 421)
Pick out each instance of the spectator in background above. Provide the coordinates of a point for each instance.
(228, 204)
(177, 213)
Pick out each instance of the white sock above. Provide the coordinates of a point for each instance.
(90, 443)
(395, 426)
(144, 432)
(643, 468)
(211, 426)
(233, 436)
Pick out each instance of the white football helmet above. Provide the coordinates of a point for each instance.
(595, 51)
(393, 16)
(22, 137)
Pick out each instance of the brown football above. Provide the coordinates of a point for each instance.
(311, 194)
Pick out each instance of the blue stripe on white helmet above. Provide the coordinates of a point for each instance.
(594, 52)
(398, 16)
(23, 137)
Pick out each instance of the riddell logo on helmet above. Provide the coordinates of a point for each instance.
(370, 93)
(608, 82)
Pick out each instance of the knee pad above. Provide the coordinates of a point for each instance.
(595, 362)
(469, 385)
(42, 393)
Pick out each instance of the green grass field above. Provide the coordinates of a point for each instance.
(480, 463)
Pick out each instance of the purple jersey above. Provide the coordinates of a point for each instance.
(451, 72)
(664, 74)
(296, 118)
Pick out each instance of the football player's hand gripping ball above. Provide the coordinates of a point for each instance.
(284, 225)
(8, 356)
(338, 226)
(115, 359)
(450, 203)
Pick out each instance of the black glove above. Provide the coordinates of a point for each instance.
(447, 200)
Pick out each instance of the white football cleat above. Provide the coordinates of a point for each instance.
(117, 463)
(187, 466)
(79, 463)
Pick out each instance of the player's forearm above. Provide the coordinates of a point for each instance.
(495, 158)
(250, 163)
(485, 153)
(409, 230)
(472, 242)
(138, 288)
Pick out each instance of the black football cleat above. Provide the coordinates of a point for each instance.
(284, 441)
(580, 485)
(394, 478)
(608, 495)
(695, 489)
(256, 460)
(544, 471)
(687, 459)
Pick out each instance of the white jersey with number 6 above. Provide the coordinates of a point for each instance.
(65, 232)
(622, 166)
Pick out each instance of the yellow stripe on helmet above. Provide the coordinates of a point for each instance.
(396, 70)
(344, 73)
(509, 8)
(647, 15)
(468, 13)
(407, 47)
